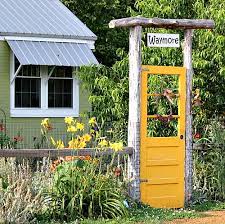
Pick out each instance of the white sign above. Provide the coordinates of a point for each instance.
(163, 40)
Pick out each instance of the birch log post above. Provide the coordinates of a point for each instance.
(187, 51)
(134, 109)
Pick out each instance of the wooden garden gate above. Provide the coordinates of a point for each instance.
(170, 185)
(162, 153)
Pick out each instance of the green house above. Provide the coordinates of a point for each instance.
(42, 44)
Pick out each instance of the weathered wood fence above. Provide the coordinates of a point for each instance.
(53, 153)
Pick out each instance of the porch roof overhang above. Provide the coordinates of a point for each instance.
(52, 53)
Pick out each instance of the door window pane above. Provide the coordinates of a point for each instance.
(162, 127)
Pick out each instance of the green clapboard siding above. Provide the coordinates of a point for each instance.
(29, 128)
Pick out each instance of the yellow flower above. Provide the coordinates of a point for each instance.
(45, 122)
(116, 146)
(103, 143)
(82, 145)
(86, 137)
(71, 129)
(92, 121)
(73, 144)
(69, 120)
(80, 126)
(60, 144)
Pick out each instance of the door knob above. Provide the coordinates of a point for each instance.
(181, 137)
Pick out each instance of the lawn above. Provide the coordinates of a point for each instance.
(147, 215)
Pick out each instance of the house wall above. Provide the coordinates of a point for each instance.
(29, 128)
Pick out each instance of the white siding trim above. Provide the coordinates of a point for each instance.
(27, 112)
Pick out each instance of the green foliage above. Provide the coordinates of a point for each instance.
(83, 189)
(208, 46)
(208, 61)
(108, 89)
(5, 141)
(209, 164)
(96, 14)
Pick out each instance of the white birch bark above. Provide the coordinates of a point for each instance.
(134, 109)
(189, 142)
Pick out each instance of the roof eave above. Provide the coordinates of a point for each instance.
(93, 38)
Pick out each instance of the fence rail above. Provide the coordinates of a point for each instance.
(52, 153)
(38, 153)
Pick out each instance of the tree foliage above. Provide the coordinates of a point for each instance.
(208, 60)
(96, 14)
(109, 94)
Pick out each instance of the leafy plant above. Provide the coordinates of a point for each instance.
(209, 163)
(83, 189)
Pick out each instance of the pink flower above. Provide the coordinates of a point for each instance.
(18, 138)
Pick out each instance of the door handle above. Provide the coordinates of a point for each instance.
(181, 137)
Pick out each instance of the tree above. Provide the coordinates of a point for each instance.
(96, 14)
(208, 59)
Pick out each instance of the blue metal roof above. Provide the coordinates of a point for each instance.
(52, 53)
(41, 18)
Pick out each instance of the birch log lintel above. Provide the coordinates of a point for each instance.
(163, 23)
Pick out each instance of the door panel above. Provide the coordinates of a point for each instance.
(163, 136)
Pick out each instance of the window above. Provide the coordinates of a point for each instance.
(43, 91)
(27, 87)
(60, 87)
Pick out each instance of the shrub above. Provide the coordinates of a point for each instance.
(209, 163)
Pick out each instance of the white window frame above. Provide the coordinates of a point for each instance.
(43, 111)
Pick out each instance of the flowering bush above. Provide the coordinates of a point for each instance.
(84, 186)
(76, 136)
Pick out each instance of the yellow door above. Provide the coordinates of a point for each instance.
(163, 136)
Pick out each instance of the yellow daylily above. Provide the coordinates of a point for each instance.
(60, 144)
(82, 145)
(116, 146)
(103, 143)
(80, 126)
(69, 120)
(87, 138)
(44, 122)
(92, 121)
(73, 144)
(71, 129)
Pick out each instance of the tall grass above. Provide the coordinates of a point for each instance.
(21, 191)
